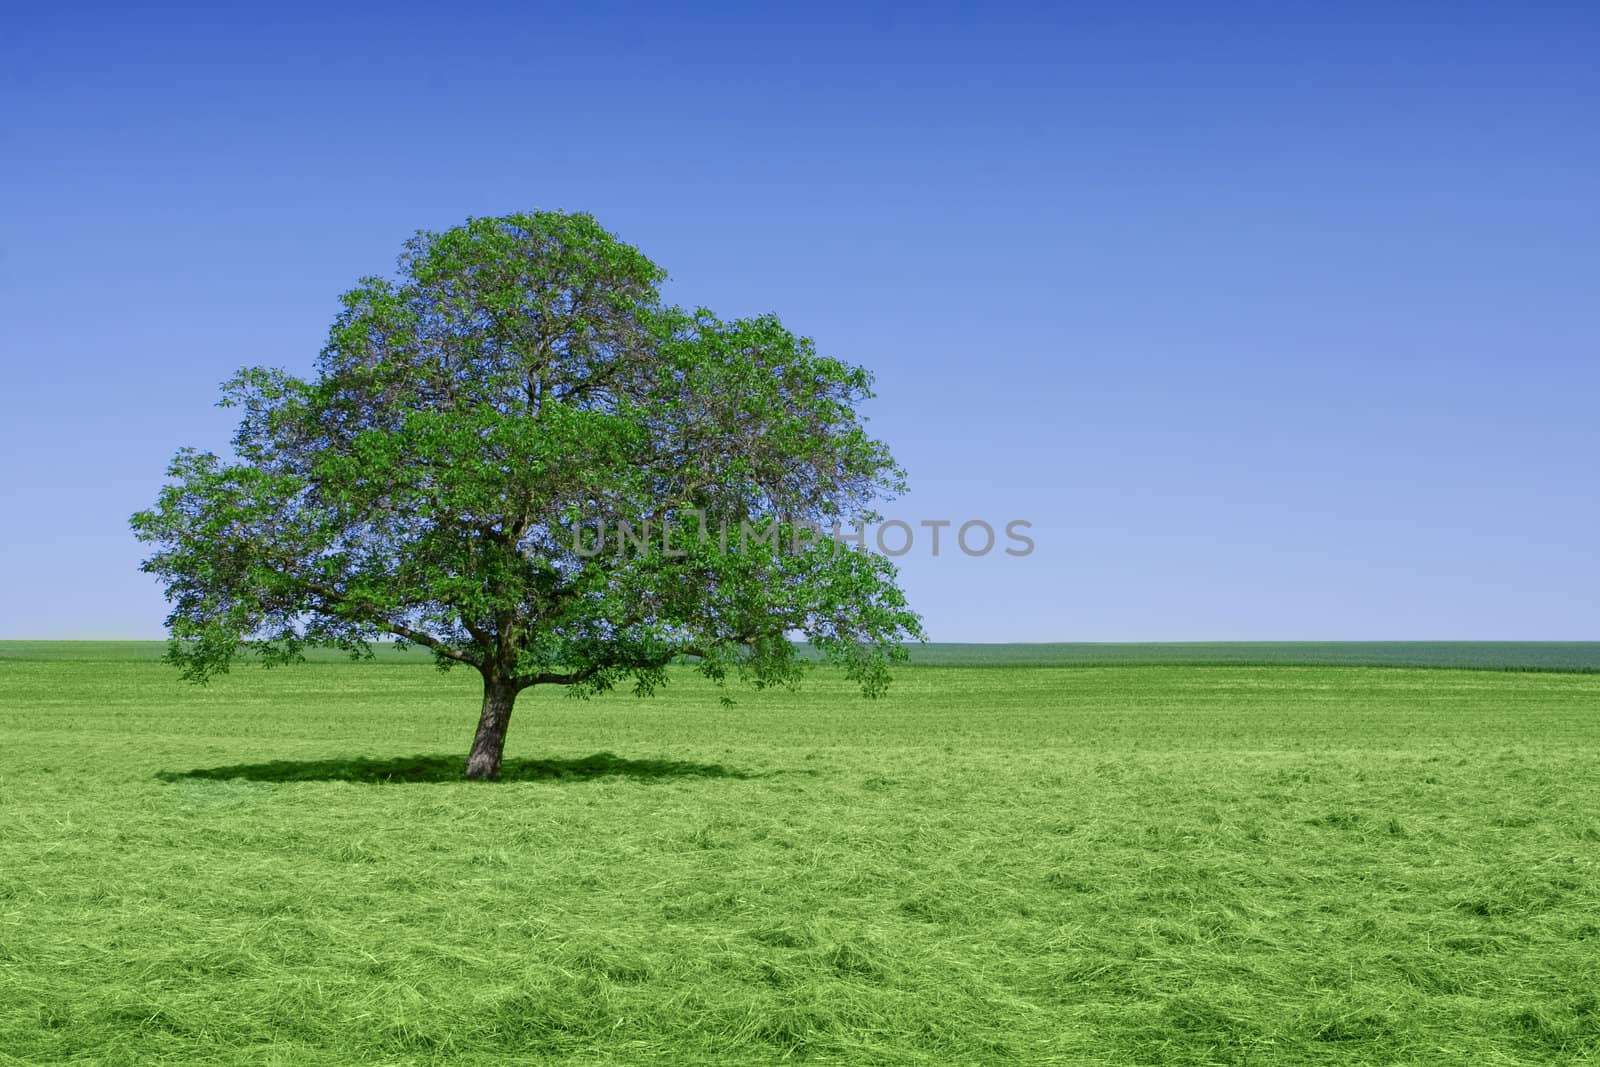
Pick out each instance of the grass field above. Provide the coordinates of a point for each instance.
(1562, 656)
(1023, 862)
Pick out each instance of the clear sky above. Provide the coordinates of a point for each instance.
(1278, 321)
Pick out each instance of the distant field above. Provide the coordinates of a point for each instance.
(1467, 655)
(1019, 861)
(1472, 655)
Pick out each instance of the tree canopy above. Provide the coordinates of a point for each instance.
(519, 381)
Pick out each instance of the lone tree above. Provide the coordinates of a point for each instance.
(516, 456)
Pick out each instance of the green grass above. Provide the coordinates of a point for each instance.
(996, 864)
(1565, 656)
(1562, 656)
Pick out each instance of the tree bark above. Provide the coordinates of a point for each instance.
(498, 697)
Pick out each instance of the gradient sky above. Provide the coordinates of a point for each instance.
(1277, 321)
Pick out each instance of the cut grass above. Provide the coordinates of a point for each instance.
(1131, 864)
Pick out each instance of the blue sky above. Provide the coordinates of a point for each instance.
(1277, 321)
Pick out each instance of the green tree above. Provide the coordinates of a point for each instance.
(520, 382)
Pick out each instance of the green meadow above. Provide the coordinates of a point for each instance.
(1271, 854)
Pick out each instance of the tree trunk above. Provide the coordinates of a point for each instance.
(487, 746)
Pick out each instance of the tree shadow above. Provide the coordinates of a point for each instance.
(452, 769)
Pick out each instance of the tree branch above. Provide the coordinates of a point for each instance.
(417, 637)
(337, 601)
